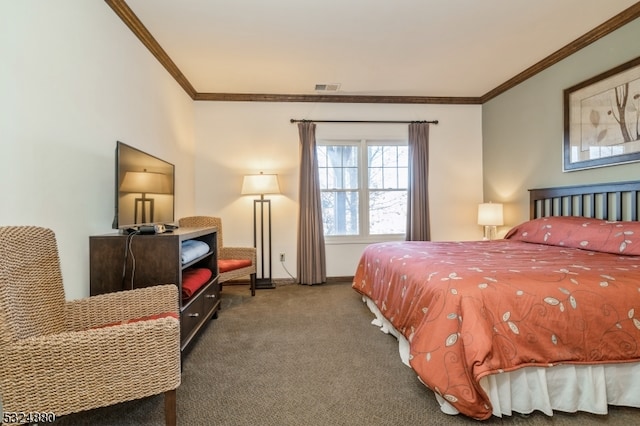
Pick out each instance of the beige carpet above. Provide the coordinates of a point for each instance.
(300, 355)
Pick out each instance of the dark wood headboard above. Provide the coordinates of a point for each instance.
(611, 201)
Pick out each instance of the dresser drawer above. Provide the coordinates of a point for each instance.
(211, 298)
(190, 319)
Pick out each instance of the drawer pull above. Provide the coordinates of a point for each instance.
(195, 315)
(210, 296)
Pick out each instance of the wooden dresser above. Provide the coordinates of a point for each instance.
(123, 262)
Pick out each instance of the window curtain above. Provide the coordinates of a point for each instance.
(312, 267)
(418, 228)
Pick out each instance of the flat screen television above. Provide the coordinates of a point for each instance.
(144, 193)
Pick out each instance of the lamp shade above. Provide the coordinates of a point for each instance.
(260, 184)
(146, 182)
(490, 214)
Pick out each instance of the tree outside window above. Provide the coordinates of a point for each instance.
(375, 208)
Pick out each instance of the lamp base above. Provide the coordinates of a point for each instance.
(489, 232)
(264, 284)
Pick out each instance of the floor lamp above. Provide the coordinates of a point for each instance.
(260, 185)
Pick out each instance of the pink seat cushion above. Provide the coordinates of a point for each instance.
(145, 318)
(226, 265)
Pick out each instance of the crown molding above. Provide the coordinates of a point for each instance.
(621, 19)
(125, 13)
(122, 9)
(368, 99)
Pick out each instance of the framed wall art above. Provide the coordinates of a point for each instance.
(602, 119)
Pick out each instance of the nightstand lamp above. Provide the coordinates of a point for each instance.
(490, 216)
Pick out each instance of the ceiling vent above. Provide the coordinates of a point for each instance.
(329, 87)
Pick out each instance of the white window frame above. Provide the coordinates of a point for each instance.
(363, 191)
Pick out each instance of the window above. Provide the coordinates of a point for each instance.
(363, 188)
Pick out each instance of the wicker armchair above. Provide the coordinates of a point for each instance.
(226, 253)
(63, 356)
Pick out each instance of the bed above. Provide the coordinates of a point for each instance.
(546, 319)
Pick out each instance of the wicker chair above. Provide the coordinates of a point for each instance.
(63, 356)
(226, 253)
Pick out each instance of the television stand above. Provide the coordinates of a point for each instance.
(157, 261)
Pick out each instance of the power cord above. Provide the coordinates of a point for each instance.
(286, 270)
(133, 260)
(128, 250)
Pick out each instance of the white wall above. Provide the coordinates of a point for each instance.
(234, 139)
(73, 81)
(523, 127)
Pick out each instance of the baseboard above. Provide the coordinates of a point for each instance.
(286, 281)
(348, 279)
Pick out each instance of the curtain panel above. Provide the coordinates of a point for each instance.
(311, 265)
(418, 227)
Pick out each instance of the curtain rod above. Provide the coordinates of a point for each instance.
(293, 120)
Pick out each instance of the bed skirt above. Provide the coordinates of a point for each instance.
(544, 389)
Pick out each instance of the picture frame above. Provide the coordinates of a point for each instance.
(602, 119)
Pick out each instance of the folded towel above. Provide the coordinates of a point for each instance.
(193, 279)
(192, 249)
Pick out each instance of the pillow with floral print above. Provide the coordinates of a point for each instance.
(581, 232)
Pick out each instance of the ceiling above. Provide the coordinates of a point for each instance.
(458, 51)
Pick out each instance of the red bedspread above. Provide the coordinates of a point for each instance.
(476, 308)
